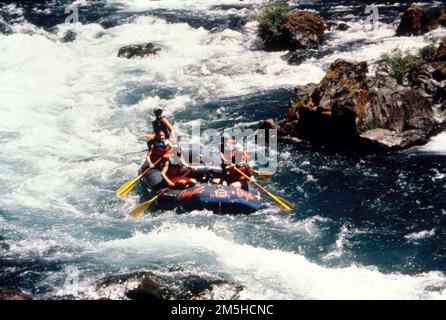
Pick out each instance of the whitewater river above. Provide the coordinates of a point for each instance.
(364, 226)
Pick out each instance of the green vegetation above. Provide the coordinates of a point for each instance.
(428, 51)
(365, 127)
(398, 64)
(272, 15)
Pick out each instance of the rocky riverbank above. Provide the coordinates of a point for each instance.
(7, 294)
(351, 109)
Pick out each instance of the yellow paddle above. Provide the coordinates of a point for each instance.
(263, 174)
(142, 207)
(129, 185)
(288, 206)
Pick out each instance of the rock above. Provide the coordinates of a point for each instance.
(416, 20)
(385, 140)
(69, 36)
(175, 285)
(430, 77)
(303, 30)
(299, 56)
(334, 25)
(7, 294)
(341, 111)
(267, 124)
(138, 50)
(150, 289)
(342, 26)
(208, 288)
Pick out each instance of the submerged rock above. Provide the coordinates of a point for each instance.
(170, 286)
(334, 25)
(299, 56)
(346, 107)
(303, 30)
(69, 36)
(416, 20)
(150, 289)
(138, 50)
(7, 294)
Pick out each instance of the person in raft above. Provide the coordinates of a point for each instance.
(230, 176)
(161, 123)
(174, 168)
(159, 148)
(238, 159)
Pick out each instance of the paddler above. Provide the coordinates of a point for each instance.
(161, 123)
(159, 147)
(173, 168)
(240, 160)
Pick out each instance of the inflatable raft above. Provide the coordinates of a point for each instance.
(204, 195)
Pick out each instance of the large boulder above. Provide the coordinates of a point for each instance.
(138, 50)
(416, 20)
(339, 111)
(7, 294)
(303, 30)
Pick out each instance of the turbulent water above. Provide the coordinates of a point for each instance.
(363, 227)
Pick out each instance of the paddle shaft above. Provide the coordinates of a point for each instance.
(263, 189)
(142, 207)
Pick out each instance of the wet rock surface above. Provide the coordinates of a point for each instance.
(7, 294)
(342, 110)
(169, 286)
(138, 50)
(303, 30)
(417, 20)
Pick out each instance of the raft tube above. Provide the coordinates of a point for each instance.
(204, 195)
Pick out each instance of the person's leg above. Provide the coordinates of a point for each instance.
(236, 184)
(190, 182)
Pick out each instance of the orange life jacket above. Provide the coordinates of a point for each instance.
(160, 149)
(233, 174)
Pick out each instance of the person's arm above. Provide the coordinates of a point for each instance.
(187, 165)
(149, 154)
(171, 129)
(164, 174)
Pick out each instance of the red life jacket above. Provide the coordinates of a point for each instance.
(160, 149)
(233, 174)
(174, 170)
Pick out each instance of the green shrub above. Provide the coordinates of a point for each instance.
(398, 64)
(365, 127)
(428, 51)
(272, 16)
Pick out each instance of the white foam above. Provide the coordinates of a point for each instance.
(415, 236)
(436, 145)
(274, 274)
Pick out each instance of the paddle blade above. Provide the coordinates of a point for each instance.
(127, 187)
(263, 174)
(142, 207)
(285, 204)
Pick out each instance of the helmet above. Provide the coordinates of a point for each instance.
(158, 110)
